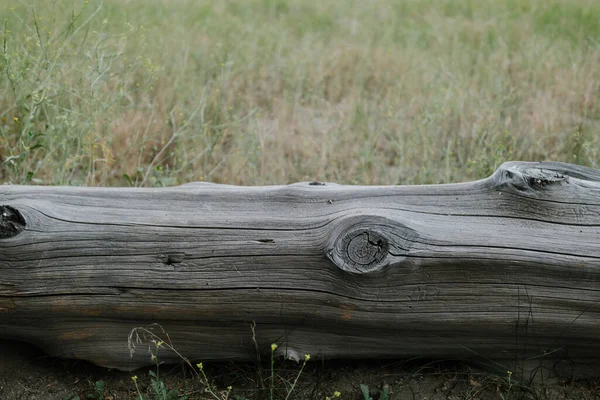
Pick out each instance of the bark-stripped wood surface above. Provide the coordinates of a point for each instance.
(506, 267)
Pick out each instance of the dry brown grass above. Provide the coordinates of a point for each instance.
(266, 91)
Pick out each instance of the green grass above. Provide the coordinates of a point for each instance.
(162, 92)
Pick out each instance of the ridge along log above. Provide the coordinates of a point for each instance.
(502, 268)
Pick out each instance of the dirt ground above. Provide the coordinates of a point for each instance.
(26, 373)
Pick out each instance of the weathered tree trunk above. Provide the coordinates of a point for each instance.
(504, 267)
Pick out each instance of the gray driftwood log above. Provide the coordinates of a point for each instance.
(503, 268)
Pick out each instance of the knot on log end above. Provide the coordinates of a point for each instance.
(11, 222)
(529, 176)
(360, 248)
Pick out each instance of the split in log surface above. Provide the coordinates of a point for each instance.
(504, 267)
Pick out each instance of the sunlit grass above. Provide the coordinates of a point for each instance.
(270, 91)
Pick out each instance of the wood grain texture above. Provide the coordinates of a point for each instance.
(506, 267)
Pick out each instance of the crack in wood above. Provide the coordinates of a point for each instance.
(172, 258)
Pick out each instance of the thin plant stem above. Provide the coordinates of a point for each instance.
(272, 385)
(306, 358)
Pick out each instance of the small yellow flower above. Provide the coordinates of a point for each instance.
(16, 119)
(306, 357)
(86, 2)
(337, 394)
(134, 378)
(509, 373)
(229, 388)
(200, 366)
(160, 343)
(273, 347)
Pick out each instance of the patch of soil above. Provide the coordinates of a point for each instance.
(26, 373)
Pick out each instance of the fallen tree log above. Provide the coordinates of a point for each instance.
(500, 268)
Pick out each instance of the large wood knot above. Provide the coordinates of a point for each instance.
(362, 244)
(529, 176)
(11, 222)
(364, 247)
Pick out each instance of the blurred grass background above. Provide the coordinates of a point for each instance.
(162, 92)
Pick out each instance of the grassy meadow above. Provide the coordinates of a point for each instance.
(252, 92)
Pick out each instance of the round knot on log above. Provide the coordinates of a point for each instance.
(365, 248)
(360, 246)
(11, 222)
